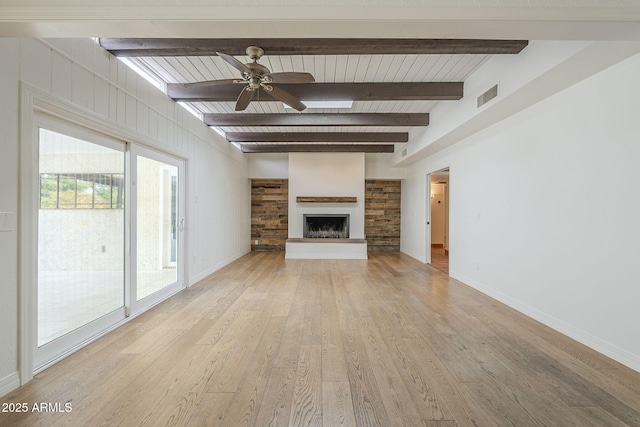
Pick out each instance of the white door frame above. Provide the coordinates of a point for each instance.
(428, 220)
(428, 212)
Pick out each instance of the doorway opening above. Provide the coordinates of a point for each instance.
(439, 220)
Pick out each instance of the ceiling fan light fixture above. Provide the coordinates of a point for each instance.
(326, 104)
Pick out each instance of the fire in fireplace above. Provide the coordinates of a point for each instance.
(327, 226)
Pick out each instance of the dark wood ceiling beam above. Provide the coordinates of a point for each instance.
(317, 148)
(317, 137)
(309, 119)
(436, 91)
(308, 46)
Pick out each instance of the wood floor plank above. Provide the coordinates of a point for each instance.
(234, 311)
(234, 371)
(334, 366)
(307, 393)
(251, 391)
(275, 407)
(368, 406)
(337, 407)
(208, 411)
(347, 316)
(285, 297)
(312, 285)
(287, 356)
(379, 342)
(180, 405)
(393, 391)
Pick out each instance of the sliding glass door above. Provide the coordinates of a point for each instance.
(109, 239)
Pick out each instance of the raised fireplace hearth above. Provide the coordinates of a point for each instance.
(326, 226)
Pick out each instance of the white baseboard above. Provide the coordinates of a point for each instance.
(413, 255)
(9, 383)
(620, 355)
(209, 271)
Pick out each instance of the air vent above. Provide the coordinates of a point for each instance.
(404, 152)
(487, 96)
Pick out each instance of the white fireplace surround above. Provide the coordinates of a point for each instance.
(326, 175)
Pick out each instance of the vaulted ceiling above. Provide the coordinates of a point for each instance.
(394, 85)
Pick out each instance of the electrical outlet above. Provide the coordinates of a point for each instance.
(255, 242)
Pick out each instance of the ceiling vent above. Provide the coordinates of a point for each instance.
(487, 96)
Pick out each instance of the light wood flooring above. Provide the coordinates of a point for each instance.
(384, 342)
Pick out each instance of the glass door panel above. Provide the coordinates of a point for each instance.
(81, 234)
(157, 228)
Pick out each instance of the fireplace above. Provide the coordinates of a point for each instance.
(326, 226)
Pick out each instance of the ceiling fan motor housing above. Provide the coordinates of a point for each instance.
(257, 70)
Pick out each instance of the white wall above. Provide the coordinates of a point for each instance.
(81, 75)
(268, 166)
(9, 74)
(378, 166)
(276, 166)
(326, 174)
(544, 211)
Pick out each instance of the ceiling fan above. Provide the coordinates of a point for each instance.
(258, 76)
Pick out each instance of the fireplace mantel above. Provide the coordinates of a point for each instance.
(325, 199)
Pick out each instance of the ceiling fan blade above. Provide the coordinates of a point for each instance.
(291, 77)
(285, 97)
(244, 99)
(212, 83)
(235, 63)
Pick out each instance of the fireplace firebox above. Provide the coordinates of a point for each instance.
(326, 226)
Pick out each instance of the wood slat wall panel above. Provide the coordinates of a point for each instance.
(269, 214)
(382, 214)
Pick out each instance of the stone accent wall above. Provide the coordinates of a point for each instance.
(382, 215)
(269, 214)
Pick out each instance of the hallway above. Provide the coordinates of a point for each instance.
(440, 258)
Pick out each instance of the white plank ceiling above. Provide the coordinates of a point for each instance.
(325, 68)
